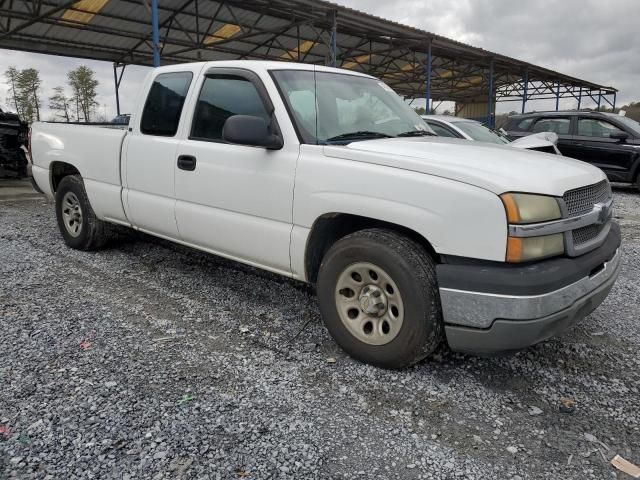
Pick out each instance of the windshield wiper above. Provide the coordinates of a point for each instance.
(359, 134)
(417, 133)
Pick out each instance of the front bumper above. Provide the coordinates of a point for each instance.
(505, 319)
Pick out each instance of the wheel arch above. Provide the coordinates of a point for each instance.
(58, 170)
(331, 227)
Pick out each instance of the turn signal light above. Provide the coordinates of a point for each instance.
(524, 249)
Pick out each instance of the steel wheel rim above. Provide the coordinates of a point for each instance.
(369, 303)
(71, 214)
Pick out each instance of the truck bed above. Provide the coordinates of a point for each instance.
(93, 149)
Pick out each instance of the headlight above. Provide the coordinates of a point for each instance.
(524, 208)
(527, 208)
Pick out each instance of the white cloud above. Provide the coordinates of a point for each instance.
(589, 39)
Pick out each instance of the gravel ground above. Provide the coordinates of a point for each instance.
(149, 360)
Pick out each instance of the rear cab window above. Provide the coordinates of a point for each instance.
(163, 107)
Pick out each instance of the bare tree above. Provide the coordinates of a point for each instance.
(61, 104)
(12, 74)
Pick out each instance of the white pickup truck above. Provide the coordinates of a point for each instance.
(328, 177)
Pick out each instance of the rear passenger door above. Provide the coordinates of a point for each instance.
(594, 145)
(237, 200)
(560, 126)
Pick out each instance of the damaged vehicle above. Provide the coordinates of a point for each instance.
(458, 127)
(13, 139)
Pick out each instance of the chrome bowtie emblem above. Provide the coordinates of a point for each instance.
(603, 213)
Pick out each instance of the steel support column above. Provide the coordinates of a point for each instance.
(599, 99)
(428, 75)
(490, 116)
(579, 98)
(155, 33)
(334, 39)
(117, 85)
(558, 96)
(614, 101)
(117, 79)
(526, 93)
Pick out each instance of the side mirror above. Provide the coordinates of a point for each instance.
(621, 136)
(251, 131)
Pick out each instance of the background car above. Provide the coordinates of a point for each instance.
(122, 119)
(608, 141)
(457, 127)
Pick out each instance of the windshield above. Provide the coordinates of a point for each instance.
(629, 122)
(479, 132)
(341, 108)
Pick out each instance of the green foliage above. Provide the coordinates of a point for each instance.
(24, 92)
(83, 86)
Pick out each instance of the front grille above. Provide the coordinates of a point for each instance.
(586, 234)
(581, 200)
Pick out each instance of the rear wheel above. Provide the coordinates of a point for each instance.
(379, 298)
(78, 224)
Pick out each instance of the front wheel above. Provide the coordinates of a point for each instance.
(78, 224)
(379, 298)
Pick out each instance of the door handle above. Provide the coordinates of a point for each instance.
(187, 162)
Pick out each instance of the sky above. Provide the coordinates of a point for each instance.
(591, 39)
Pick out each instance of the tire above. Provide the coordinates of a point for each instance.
(405, 274)
(87, 232)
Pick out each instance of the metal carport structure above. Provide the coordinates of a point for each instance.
(416, 63)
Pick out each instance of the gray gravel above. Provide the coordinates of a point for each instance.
(149, 360)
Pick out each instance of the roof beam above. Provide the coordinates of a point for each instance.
(37, 19)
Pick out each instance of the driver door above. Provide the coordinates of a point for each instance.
(234, 200)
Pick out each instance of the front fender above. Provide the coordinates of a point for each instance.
(454, 217)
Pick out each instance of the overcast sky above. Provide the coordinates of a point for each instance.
(592, 39)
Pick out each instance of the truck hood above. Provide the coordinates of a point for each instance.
(496, 168)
